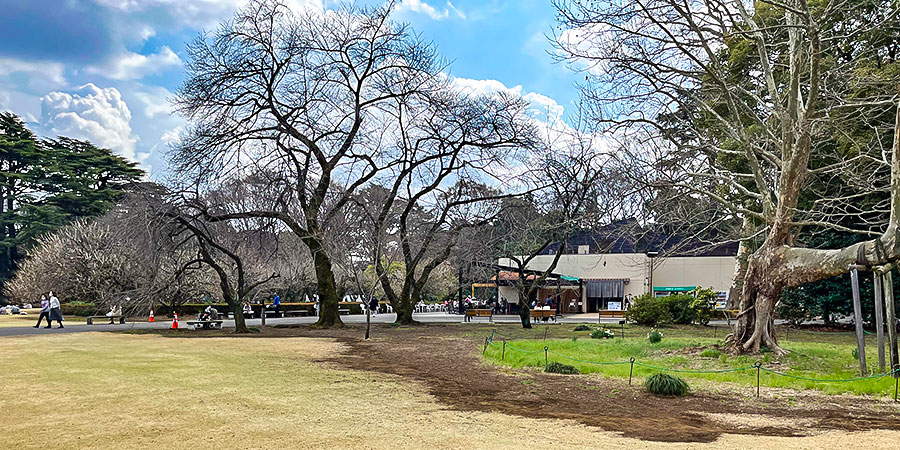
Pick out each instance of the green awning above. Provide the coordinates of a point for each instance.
(568, 278)
(674, 288)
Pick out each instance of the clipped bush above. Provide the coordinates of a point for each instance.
(582, 327)
(649, 311)
(665, 384)
(558, 367)
(679, 306)
(602, 333)
(655, 337)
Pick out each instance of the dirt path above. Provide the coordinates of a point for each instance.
(450, 368)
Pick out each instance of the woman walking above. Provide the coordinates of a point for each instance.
(55, 312)
(45, 312)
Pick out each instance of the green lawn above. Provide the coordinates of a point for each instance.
(823, 356)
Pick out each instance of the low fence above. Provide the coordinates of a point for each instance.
(757, 366)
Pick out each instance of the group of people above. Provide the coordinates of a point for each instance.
(51, 310)
(457, 307)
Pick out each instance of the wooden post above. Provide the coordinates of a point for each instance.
(857, 319)
(891, 318)
(879, 320)
(503, 355)
(262, 313)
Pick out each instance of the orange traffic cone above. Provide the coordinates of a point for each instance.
(175, 322)
(151, 319)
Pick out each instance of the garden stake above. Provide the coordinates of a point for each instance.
(545, 333)
(631, 371)
(757, 364)
(896, 379)
(503, 356)
(485, 346)
(545, 356)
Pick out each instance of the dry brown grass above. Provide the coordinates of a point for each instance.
(104, 390)
(31, 318)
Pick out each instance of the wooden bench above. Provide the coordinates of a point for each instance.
(297, 312)
(344, 311)
(204, 324)
(112, 319)
(538, 314)
(610, 313)
(470, 313)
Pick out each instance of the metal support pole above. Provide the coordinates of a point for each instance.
(503, 355)
(545, 333)
(891, 319)
(857, 319)
(758, 364)
(631, 371)
(546, 360)
(879, 320)
(485, 346)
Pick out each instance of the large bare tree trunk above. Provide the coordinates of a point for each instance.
(327, 288)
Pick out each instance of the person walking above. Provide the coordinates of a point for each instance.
(55, 312)
(45, 311)
(277, 303)
(373, 305)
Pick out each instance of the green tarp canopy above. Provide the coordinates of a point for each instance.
(674, 288)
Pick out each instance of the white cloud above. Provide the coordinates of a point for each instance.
(173, 136)
(98, 115)
(421, 7)
(156, 101)
(197, 13)
(130, 66)
(46, 70)
(542, 108)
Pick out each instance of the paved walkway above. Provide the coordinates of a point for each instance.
(439, 317)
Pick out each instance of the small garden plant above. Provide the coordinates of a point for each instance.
(582, 327)
(602, 333)
(655, 337)
(665, 384)
(558, 367)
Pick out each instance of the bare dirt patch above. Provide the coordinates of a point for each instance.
(449, 366)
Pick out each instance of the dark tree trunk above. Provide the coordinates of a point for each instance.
(329, 300)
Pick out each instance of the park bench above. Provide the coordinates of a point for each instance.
(344, 311)
(204, 324)
(470, 313)
(538, 314)
(297, 312)
(112, 319)
(611, 313)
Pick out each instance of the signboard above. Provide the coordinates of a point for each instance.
(614, 306)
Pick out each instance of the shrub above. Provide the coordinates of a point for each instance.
(557, 367)
(582, 327)
(574, 338)
(602, 333)
(679, 306)
(649, 311)
(710, 353)
(665, 384)
(654, 337)
(855, 353)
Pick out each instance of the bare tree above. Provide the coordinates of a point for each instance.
(755, 100)
(300, 99)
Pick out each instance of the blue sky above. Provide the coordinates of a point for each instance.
(103, 69)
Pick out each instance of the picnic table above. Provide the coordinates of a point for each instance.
(112, 319)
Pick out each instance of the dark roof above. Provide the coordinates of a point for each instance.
(628, 236)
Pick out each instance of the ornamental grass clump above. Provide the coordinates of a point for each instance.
(557, 367)
(665, 384)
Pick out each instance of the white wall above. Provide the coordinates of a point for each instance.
(707, 271)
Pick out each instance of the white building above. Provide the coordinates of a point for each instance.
(609, 271)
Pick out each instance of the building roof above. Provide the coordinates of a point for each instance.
(628, 236)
